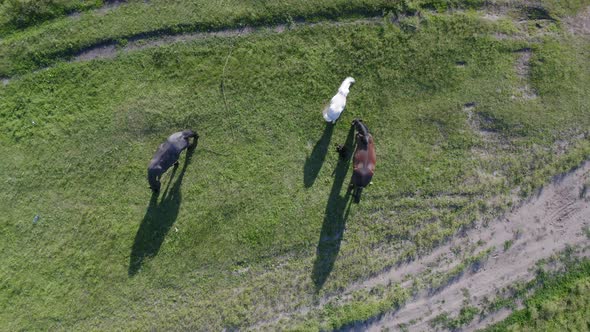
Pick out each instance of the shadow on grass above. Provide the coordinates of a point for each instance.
(314, 162)
(158, 220)
(335, 217)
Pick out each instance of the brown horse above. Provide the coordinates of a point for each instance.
(363, 161)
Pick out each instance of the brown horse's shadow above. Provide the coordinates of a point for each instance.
(335, 216)
(158, 219)
(314, 162)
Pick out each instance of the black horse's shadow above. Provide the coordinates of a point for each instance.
(314, 162)
(335, 217)
(158, 219)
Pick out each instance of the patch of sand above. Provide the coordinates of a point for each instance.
(537, 229)
(579, 24)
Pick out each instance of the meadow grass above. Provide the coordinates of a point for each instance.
(561, 302)
(47, 42)
(43, 45)
(19, 14)
(256, 222)
(38, 46)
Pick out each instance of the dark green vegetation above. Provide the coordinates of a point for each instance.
(18, 14)
(22, 50)
(257, 221)
(466, 315)
(561, 303)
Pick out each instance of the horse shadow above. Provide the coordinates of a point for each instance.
(335, 216)
(314, 162)
(158, 219)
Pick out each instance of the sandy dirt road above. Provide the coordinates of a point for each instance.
(537, 229)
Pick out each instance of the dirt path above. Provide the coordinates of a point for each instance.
(109, 51)
(578, 24)
(537, 229)
(142, 42)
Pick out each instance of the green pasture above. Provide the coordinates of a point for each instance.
(36, 34)
(560, 303)
(256, 220)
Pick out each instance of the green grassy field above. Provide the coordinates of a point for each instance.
(19, 14)
(44, 44)
(561, 302)
(256, 222)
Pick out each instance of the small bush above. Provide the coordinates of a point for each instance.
(23, 13)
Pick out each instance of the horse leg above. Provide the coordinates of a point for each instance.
(195, 142)
(357, 194)
(157, 184)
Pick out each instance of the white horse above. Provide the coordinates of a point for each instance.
(338, 102)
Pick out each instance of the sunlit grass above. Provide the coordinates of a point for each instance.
(239, 241)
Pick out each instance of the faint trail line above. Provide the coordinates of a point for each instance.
(233, 45)
(155, 39)
(110, 49)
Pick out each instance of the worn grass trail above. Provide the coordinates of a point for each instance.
(509, 249)
(256, 223)
(41, 37)
(42, 45)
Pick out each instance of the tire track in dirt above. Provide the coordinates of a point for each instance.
(579, 24)
(540, 227)
(523, 68)
(111, 49)
(536, 229)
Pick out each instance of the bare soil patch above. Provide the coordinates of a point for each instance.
(523, 67)
(579, 24)
(110, 50)
(99, 52)
(539, 228)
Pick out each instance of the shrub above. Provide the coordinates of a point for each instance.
(23, 13)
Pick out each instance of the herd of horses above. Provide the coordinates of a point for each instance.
(364, 158)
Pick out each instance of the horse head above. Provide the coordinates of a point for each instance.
(189, 133)
(362, 130)
(345, 86)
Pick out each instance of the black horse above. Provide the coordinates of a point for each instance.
(167, 155)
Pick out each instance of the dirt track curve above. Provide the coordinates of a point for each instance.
(540, 227)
